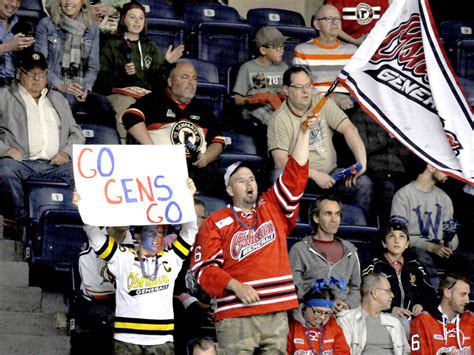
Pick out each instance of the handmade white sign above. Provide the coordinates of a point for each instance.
(122, 185)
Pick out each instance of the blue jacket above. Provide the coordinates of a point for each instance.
(7, 66)
(50, 41)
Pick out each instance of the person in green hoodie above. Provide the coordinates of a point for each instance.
(130, 62)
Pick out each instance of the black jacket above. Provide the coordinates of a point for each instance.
(411, 288)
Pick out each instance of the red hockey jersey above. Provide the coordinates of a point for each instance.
(430, 336)
(224, 249)
(359, 17)
(302, 340)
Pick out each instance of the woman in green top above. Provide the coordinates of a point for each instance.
(130, 59)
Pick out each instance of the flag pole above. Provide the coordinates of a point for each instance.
(320, 103)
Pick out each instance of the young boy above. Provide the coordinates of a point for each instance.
(412, 292)
(259, 81)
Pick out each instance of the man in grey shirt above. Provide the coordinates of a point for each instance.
(367, 329)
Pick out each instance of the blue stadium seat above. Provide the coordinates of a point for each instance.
(216, 33)
(208, 88)
(465, 59)
(53, 234)
(300, 231)
(99, 134)
(468, 86)
(289, 23)
(240, 146)
(453, 31)
(164, 27)
(213, 203)
(32, 12)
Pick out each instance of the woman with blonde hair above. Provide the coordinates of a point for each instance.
(69, 39)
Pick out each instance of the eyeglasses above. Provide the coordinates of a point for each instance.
(330, 19)
(319, 313)
(31, 74)
(277, 48)
(301, 87)
(388, 290)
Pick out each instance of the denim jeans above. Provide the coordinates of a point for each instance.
(14, 173)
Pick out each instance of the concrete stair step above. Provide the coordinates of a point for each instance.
(22, 323)
(20, 298)
(33, 345)
(10, 250)
(14, 273)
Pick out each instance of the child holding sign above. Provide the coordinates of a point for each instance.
(145, 280)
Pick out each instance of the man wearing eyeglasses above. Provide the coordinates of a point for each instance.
(281, 134)
(37, 131)
(325, 55)
(367, 329)
(448, 328)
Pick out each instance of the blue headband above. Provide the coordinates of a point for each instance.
(315, 302)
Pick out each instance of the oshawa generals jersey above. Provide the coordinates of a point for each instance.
(310, 341)
(170, 123)
(144, 307)
(359, 17)
(258, 256)
(96, 280)
(430, 335)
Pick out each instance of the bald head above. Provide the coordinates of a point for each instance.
(182, 82)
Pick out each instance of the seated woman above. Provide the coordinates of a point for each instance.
(313, 328)
(69, 40)
(407, 276)
(130, 62)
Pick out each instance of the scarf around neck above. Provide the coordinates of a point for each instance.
(72, 52)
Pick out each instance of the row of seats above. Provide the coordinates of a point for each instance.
(458, 41)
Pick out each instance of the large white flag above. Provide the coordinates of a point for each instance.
(401, 77)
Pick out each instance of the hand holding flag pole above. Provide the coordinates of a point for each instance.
(320, 103)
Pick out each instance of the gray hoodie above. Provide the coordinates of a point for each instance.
(308, 265)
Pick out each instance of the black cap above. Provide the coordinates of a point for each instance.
(395, 225)
(33, 60)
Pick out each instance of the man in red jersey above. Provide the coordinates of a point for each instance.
(448, 329)
(241, 256)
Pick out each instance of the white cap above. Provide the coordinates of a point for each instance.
(229, 171)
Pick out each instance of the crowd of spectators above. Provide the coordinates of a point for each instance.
(235, 277)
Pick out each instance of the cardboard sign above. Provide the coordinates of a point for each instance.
(123, 185)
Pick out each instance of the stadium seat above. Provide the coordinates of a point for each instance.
(99, 134)
(465, 59)
(289, 23)
(300, 231)
(468, 87)
(164, 27)
(208, 88)
(216, 33)
(32, 12)
(53, 234)
(213, 204)
(240, 146)
(453, 31)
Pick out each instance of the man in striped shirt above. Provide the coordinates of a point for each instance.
(241, 256)
(325, 55)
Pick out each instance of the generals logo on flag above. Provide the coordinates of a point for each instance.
(401, 77)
